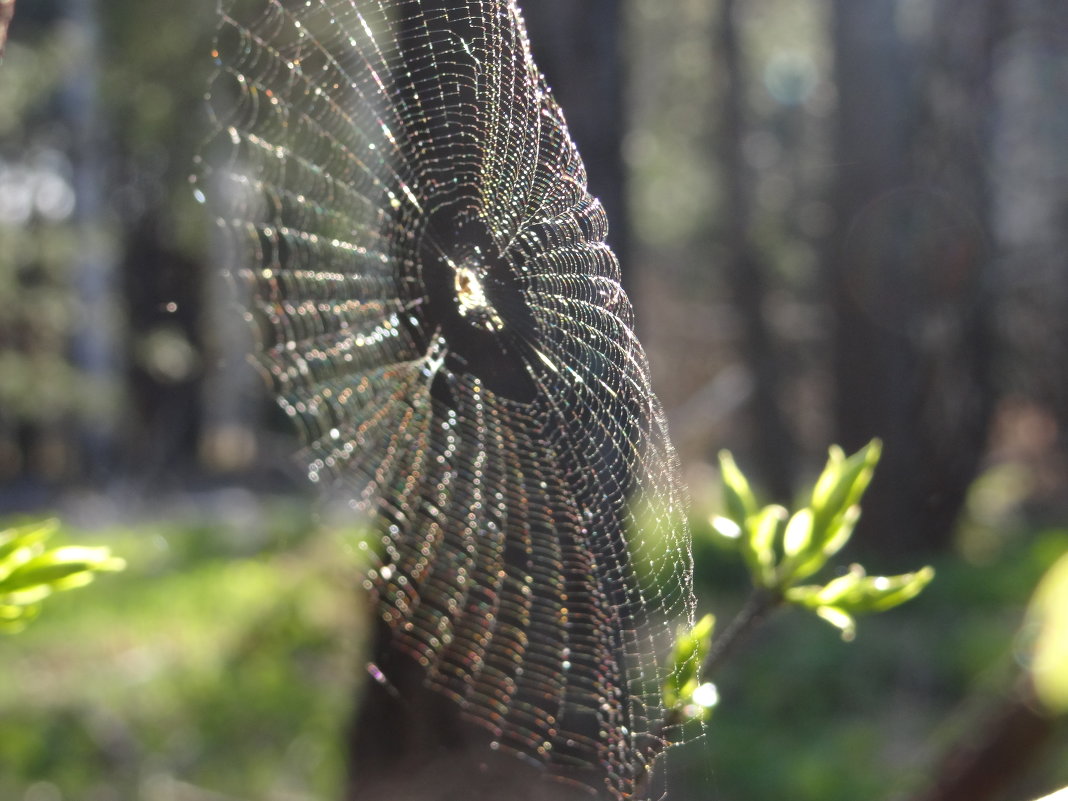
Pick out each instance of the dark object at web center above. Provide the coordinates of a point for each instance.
(470, 297)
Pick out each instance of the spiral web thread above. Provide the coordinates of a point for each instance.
(436, 307)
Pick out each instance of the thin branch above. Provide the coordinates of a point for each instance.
(758, 606)
(997, 750)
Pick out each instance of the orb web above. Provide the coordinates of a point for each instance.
(436, 307)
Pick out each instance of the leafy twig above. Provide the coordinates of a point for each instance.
(781, 550)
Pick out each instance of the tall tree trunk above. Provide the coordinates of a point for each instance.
(1037, 231)
(577, 47)
(409, 743)
(874, 364)
(957, 346)
(96, 346)
(907, 265)
(771, 437)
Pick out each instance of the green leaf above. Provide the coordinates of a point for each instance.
(27, 535)
(806, 595)
(704, 699)
(844, 481)
(13, 619)
(1048, 612)
(29, 596)
(11, 612)
(15, 559)
(60, 568)
(29, 573)
(758, 545)
(1059, 795)
(797, 538)
(879, 593)
(840, 619)
(691, 648)
(829, 479)
(841, 590)
(813, 559)
(856, 593)
(703, 629)
(836, 535)
(726, 529)
(832, 515)
(738, 497)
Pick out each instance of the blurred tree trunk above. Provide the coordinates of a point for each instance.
(407, 742)
(577, 45)
(97, 342)
(410, 743)
(909, 261)
(1039, 171)
(772, 440)
(1000, 749)
(957, 341)
(7, 11)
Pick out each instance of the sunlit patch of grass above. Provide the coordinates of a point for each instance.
(196, 666)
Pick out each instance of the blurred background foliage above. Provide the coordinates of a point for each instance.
(837, 220)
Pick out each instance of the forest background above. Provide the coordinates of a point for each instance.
(837, 220)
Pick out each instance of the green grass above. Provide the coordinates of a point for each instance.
(221, 664)
(205, 670)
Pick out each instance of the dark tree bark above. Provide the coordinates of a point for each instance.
(409, 743)
(1036, 279)
(771, 437)
(957, 339)
(577, 46)
(873, 362)
(908, 264)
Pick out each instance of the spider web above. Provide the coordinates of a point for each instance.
(436, 307)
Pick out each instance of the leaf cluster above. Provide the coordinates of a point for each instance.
(782, 549)
(30, 571)
(683, 690)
